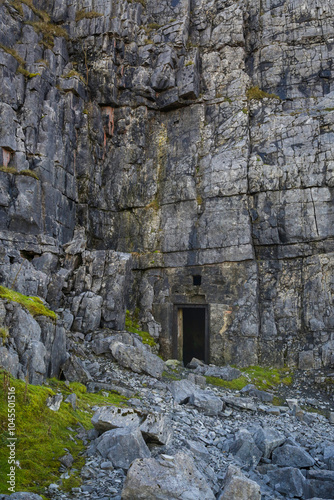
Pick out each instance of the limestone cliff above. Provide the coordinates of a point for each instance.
(179, 138)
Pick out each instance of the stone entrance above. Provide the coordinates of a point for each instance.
(191, 335)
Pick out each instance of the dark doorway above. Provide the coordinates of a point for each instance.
(193, 334)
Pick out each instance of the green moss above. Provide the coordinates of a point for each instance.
(189, 63)
(236, 384)
(171, 375)
(132, 326)
(262, 377)
(153, 26)
(33, 304)
(84, 14)
(26, 73)
(254, 93)
(43, 435)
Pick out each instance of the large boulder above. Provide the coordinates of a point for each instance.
(267, 439)
(209, 403)
(172, 478)
(74, 370)
(238, 487)
(122, 446)
(244, 448)
(157, 428)
(288, 481)
(292, 456)
(182, 390)
(139, 359)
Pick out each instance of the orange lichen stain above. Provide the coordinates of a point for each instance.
(5, 157)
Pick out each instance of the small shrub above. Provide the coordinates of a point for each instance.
(4, 332)
(84, 14)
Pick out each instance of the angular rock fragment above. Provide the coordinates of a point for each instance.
(244, 448)
(267, 439)
(74, 371)
(238, 487)
(110, 417)
(174, 479)
(292, 456)
(122, 446)
(288, 480)
(139, 359)
(156, 428)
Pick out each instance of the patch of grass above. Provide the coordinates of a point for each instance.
(12, 170)
(17, 6)
(262, 377)
(84, 14)
(33, 304)
(132, 326)
(153, 26)
(49, 31)
(329, 109)
(189, 63)
(154, 204)
(4, 334)
(43, 435)
(169, 375)
(255, 93)
(235, 385)
(74, 73)
(13, 53)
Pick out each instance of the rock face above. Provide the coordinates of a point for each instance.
(174, 154)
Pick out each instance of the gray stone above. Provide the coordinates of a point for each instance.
(109, 417)
(182, 390)
(267, 439)
(209, 403)
(320, 483)
(240, 403)
(292, 456)
(122, 446)
(67, 460)
(238, 486)
(156, 428)
(288, 480)
(74, 371)
(244, 448)
(329, 457)
(173, 479)
(139, 359)
(53, 402)
(224, 372)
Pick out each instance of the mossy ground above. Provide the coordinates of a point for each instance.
(33, 304)
(132, 326)
(43, 436)
(262, 377)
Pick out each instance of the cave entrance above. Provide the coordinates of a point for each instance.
(191, 338)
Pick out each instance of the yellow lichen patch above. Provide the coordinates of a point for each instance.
(34, 305)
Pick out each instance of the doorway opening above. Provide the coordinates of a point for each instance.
(191, 339)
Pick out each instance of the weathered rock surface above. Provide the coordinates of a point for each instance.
(168, 479)
(139, 359)
(238, 486)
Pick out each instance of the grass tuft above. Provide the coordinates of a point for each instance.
(84, 14)
(262, 377)
(34, 305)
(13, 53)
(254, 93)
(4, 334)
(49, 31)
(12, 170)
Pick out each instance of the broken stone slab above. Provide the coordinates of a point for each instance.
(223, 372)
(292, 456)
(197, 379)
(21, 495)
(267, 439)
(197, 449)
(240, 403)
(53, 402)
(110, 417)
(237, 486)
(209, 403)
(122, 446)
(173, 478)
(74, 370)
(182, 390)
(156, 428)
(252, 390)
(320, 483)
(287, 480)
(329, 457)
(244, 448)
(195, 363)
(139, 359)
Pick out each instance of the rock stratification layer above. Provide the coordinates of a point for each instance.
(190, 144)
